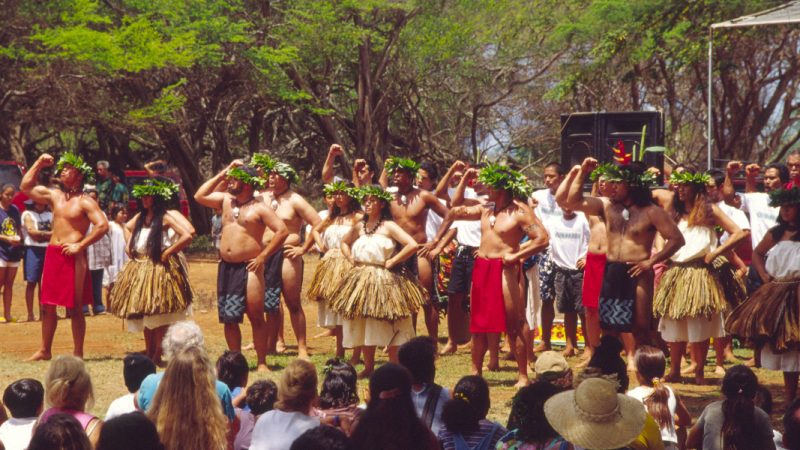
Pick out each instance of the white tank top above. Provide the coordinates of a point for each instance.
(700, 240)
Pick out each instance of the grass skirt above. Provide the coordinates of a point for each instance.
(370, 291)
(144, 288)
(771, 315)
(331, 270)
(695, 289)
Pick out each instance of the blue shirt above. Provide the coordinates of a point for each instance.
(419, 399)
(150, 384)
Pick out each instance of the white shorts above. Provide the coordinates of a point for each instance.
(692, 329)
(4, 263)
(374, 332)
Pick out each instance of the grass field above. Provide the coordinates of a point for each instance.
(107, 342)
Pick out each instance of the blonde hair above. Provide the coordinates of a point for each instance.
(186, 409)
(297, 388)
(68, 384)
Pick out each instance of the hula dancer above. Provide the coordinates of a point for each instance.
(65, 277)
(772, 314)
(344, 212)
(375, 301)
(692, 294)
(152, 291)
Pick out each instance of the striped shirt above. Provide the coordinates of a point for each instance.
(447, 438)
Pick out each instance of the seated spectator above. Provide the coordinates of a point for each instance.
(529, 427)
(322, 438)
(418, 356)
(553, 368)
(390, 420)
(658, 398)
(734, 422)
(338, 401)
(179, 337)
(135, 367)
(68, 390)
(60, 432)
(260, 398)
(232, 370)
(129, 431)
(186, 409)
(791, 426)
(594, 416)
(763, 400)
(24, 399)
(464, 417)
(297, 392)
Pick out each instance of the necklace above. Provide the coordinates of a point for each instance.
(238, 206)
(368, 231)
(274, 203)
(493, 216)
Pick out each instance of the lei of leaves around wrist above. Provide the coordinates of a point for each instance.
(395, 162)
(246, 178)
(77, 162)
(155, 188)
(688, 177)
(781, 197)
(366, 191)
(503, 177)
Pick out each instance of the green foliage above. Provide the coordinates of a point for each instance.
(163, 108)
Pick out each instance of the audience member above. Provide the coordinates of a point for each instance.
(135, 367)
(791, 426)
(464, 417)
(10, 247)
(529, 427)
(260, 398)
(24, 399)
(297, 391)
(734, 422)
(322, 438)
(338, 400)
(553, 368)
(68, 390)
(418, 356)
(763, 400)
(129, 431)
(232, 369)
(116, 234)
(37, 225)
(390, 420)
(185, 409)
(61, 432)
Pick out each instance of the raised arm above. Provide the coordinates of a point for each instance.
(441, 188)
(728, 192)
(28, 183)
(408, 242)
(562, 193)
(181, 220)
(207, 194)
(750, 174)
(575, 199)
(327, 168)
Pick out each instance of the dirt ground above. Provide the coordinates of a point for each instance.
(107, 342)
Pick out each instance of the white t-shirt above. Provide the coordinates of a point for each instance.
(547, 206)
(762, 216)
(277, 430)
(16, 433)
(642, 392)
(468, 232)
(42, 221)
(736, 215)
(120, 406)
(569, 239)
(433, 222)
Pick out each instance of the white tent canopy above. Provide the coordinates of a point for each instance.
(783, 14)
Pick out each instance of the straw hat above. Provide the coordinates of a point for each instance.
(552, 367)
(595, 417)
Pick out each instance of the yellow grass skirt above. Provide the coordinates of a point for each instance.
(370, 291)
(331, 270)
(772, 314)
(695, 289)
(144, 288)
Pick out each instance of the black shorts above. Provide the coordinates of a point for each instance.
(461, 270)
(273, 281)
(568, 286)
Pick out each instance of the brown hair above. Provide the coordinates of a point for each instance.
(297, 387)
(651, 363)
(68, 384)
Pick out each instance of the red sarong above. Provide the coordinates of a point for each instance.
(487, 310)
(58, 279)
(593, 279)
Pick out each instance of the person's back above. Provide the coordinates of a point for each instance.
(131, 431)
(418, 357)
(61, 432)
(464, 417)
(260, 398)
(24, 399)
(135, 368)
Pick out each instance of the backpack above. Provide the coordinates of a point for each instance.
(484, 444)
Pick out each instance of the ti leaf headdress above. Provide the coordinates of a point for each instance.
(155, 188)
(780, 197)
(77, 162)
(339, 186)
(503, 177)
(245, 177)
(263, 161)
(286, 171)
(684, 177)
(615, 173)
(601, 170)
(395, 162)
(372, 190)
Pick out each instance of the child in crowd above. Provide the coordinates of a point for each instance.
(129, 431)
(135, 367)
(658, 398)
(24, 399)
(338, 401)
(232, 370)
(464, 417)
(60, 432)
(418, 356)
(529, 427)
(68, 390)
(260, 398)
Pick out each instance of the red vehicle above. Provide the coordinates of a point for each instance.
(134, 177)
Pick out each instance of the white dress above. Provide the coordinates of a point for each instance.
(118, 255)
(783, 263)
(332, 238)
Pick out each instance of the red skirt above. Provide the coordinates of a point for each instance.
(593, 279)
(58, 279)
(487, 310)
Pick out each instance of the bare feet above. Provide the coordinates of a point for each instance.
(492, 367)
(510, 356)
(522, 382)
(690, 369)
(541, 347)
(699, 380)
(280, 347)
(364, 374)
(673, 378)
(303, 354)
(77, 355)
(41, 355)
(262, 368)
(751, 362)
(249, 346)
(569, 351)
(719, 370)
(449, 349)
(326, 333)
(30, 319)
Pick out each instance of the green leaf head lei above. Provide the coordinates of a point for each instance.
(339, 186)
(156, 188)
(780, 197)
(77, 162)
(395, 162)
(372, 190)
(684, 177)
(502, 177)
(246, 177)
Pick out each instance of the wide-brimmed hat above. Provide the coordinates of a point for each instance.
(595, 416)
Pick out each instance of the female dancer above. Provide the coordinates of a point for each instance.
(153, 291)
(691, 296)
(771, 315)
(328, 234)
(376, 301)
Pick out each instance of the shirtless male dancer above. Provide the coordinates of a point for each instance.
(410, 210)
(497, 272)
(632, 220)
(65, 278)
(240, 279)
(295, 212)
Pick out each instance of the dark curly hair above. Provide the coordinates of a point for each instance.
(339, 387)
(470, 403)
(527, 413)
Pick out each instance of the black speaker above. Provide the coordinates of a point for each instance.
(596, 133)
